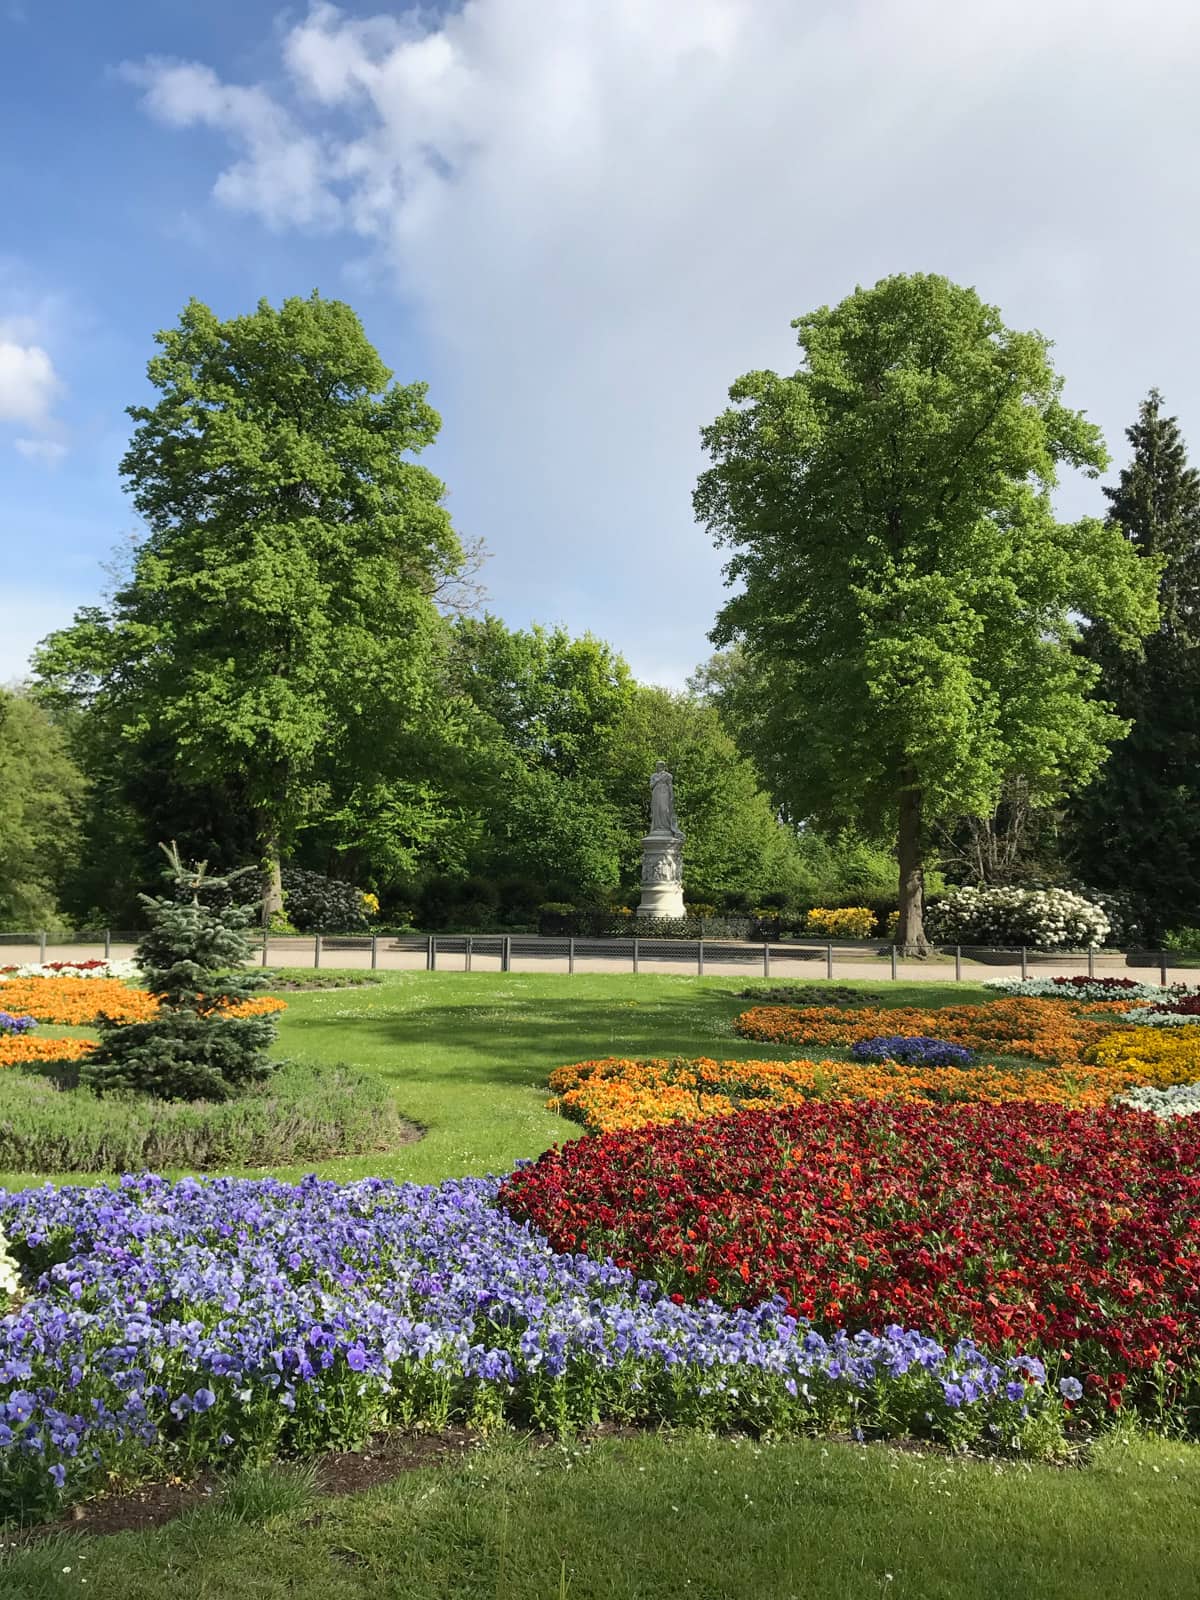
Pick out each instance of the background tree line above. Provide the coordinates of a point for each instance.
(922, 668)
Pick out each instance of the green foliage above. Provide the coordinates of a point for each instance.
(42, 793)
(304, 1113)
(192, 958)
(280, 615)
(907, 599)
(1137, 829)
(316, 904)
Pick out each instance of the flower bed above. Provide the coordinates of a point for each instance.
(27, 1049)
(1158, 1056)
(71, 969)
(1047, 1030)
(81, 1002)
(10, 1025)
(1070, 1233)
(914, 1050)
(181, 1326)
(1077, 989)
(612, 1094)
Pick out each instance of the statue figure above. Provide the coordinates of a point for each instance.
(662, 802)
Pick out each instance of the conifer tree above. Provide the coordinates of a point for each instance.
(1136, 830)
(192, 958)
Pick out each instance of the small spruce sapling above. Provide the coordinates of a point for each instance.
(192, 957)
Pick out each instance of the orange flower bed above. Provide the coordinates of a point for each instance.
(76, 1002)
(613, 1094)
(19, 1048)
(1046, 1030)
(81, 1002)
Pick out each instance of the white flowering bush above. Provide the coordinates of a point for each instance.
(1041, 919)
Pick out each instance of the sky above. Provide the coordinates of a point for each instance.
(579, 221)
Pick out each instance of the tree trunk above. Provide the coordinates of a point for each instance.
(910, 935)
(272, 882)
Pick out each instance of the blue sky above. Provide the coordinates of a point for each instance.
(579, 221)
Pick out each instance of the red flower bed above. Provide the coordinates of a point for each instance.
(1071, 1233)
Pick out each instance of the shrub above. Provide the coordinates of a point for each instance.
(1042, 919)
(316, 904)
(194, 1048)
(303, 1113)
(843, 922)
(1184, 940)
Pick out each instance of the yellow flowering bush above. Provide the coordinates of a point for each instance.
(843, 922)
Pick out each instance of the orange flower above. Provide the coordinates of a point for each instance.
(18, 1048)
(81, 1002)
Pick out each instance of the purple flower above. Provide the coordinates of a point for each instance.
(1070, 1388)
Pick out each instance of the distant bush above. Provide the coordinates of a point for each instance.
(1042, 919)
(316, 904)
(303, 1113)
(842, 922)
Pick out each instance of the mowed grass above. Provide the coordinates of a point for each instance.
(467, 1055)
(655, 1518)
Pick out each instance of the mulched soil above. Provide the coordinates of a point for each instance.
(388, 1456)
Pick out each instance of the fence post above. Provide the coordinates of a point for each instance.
(571, 954)
(1162, 967)
(829, 961)
(635, 952)
(893, 958)
(700, 958)
(1091, 962)
(42, 947)
(766, 960)
(107, 943)
(467, 961)
(264, 948)
(374, 951)
(1024, 964)
(430, 952)
(958, 963)
(317, 951)
(506, 954)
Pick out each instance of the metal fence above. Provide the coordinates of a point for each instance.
(532, 952)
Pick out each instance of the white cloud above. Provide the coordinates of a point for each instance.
(603, 213)
(281, 177)
(49, 451)
(28, 384)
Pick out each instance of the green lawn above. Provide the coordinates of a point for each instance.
(468, 1054)
(641, 1518)
(657, 1519)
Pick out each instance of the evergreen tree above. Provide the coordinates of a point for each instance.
(1136, 830)
(192, 958)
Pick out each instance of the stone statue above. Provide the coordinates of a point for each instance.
(662, 802)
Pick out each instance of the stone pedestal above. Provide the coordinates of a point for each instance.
(662, 876)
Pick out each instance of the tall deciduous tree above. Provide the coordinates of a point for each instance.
(283, 600)
(1136, 830)
(41, 799)
(905, 590)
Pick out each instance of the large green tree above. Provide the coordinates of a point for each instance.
(281, 609)
(906, 595)
(42, 794)
(1136, 830)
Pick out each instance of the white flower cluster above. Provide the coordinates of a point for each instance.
(1181, 1100)
(54, 969)
(1165, 1019)
(1041, 919)
(1047, 989)
(10, 1272)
